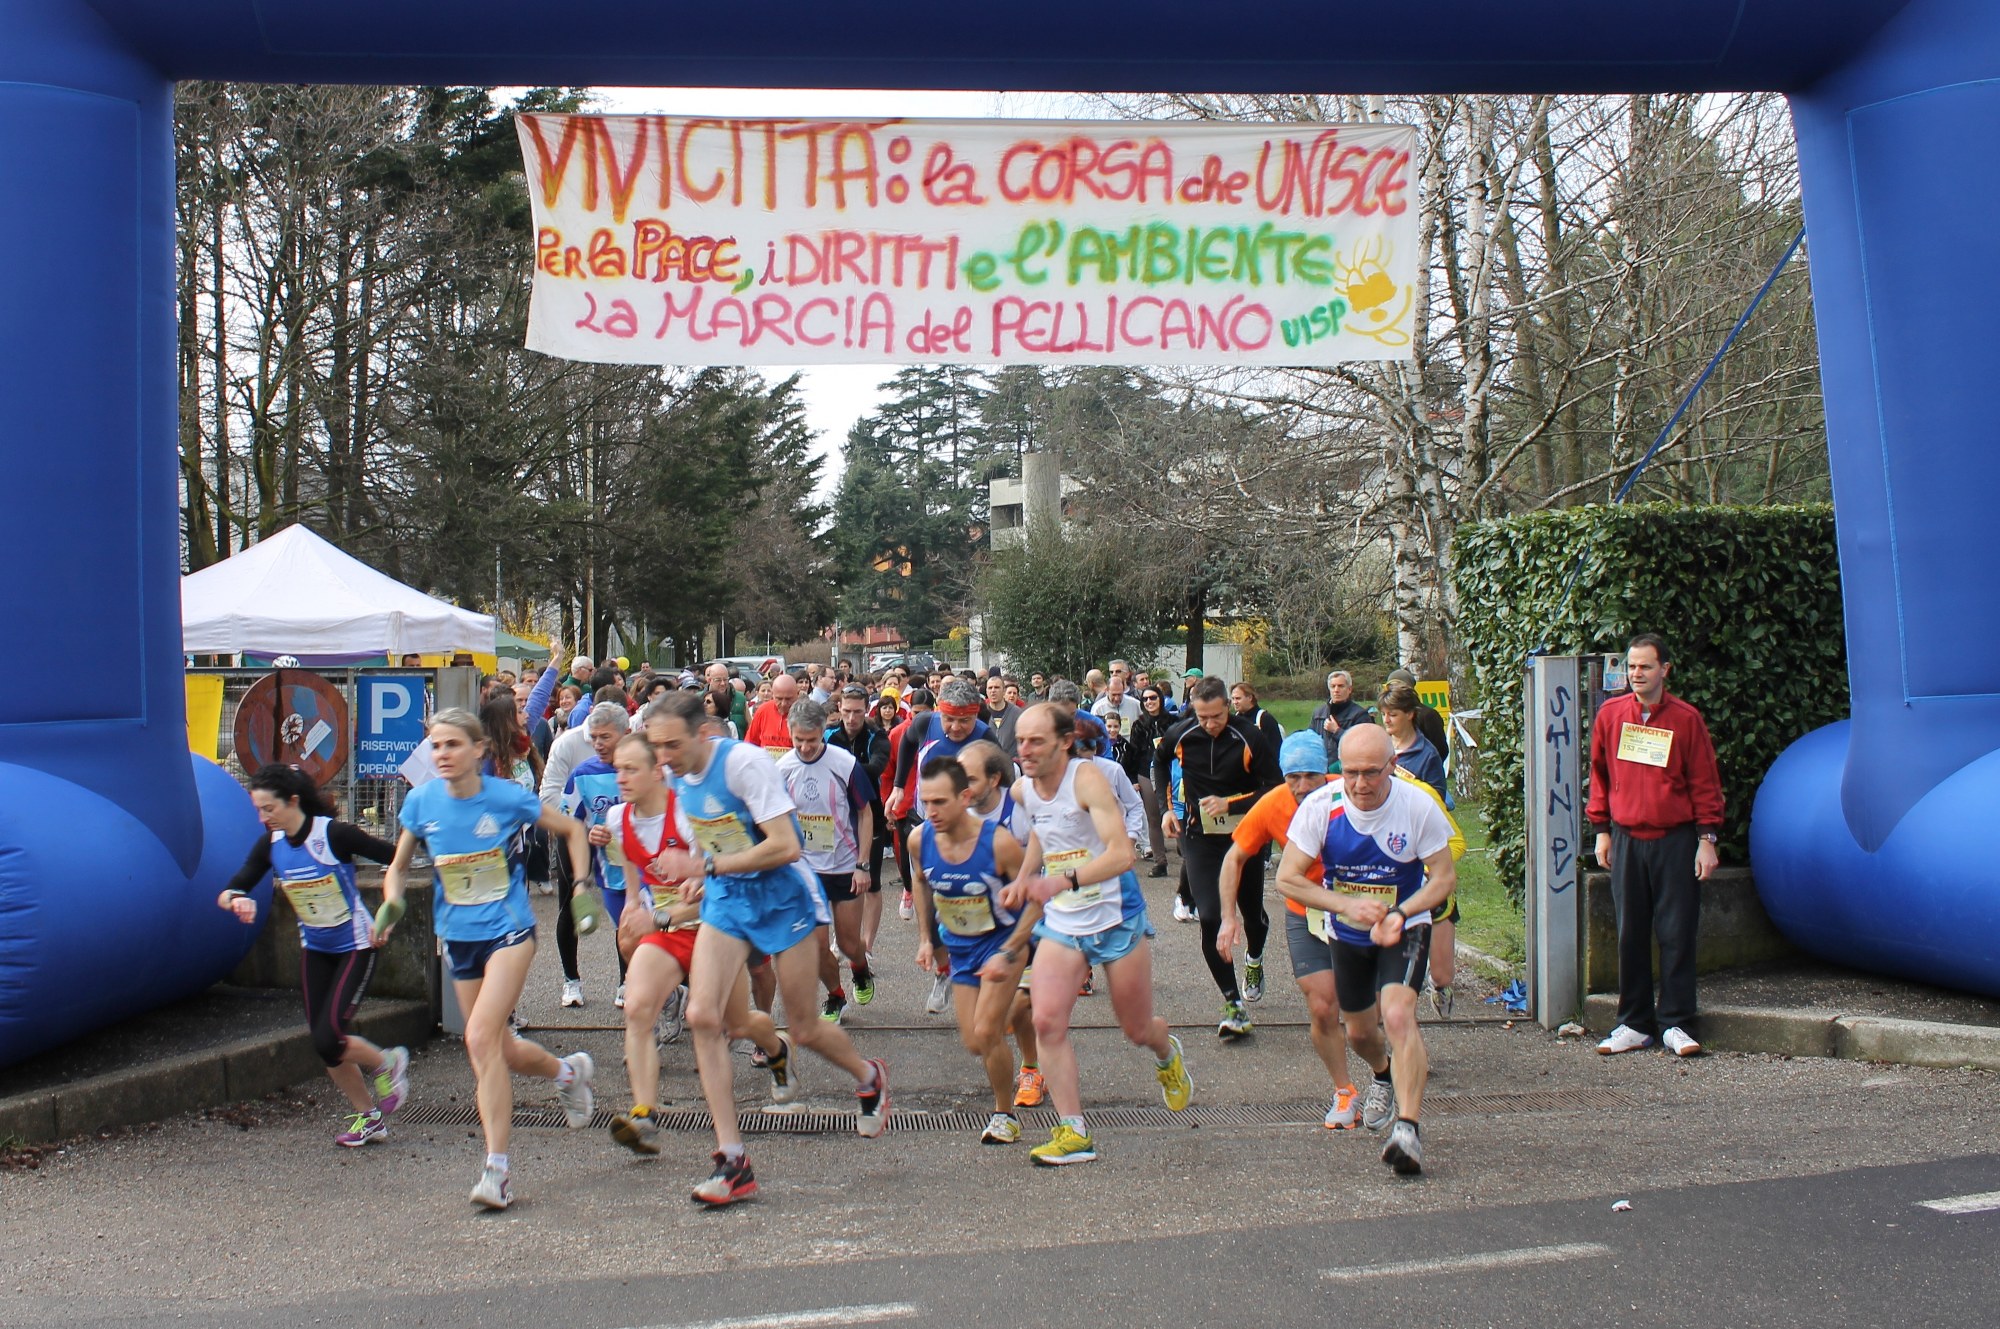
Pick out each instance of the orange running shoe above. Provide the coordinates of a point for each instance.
(1029, 1090)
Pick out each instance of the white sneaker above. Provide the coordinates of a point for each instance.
(1679, 1043)
(907, 909)
(940, 999)
(572, 992)
(1624, 1039)
(673, 1017)
(575, 1097)
(1404, 1152)
(1183, 914)
(546, 887)
(619, 1000)
(493, 1190)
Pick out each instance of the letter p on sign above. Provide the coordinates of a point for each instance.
(392, 702)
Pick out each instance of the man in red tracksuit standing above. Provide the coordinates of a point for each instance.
(1656, 799)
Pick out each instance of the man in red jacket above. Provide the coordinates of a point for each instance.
(1656, 799)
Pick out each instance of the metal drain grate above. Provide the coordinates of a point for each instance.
(818, 1122)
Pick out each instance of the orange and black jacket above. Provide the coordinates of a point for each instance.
(1238, 764)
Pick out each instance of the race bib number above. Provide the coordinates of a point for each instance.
(614, 852)
(318, 901)
(1076, 897)
(480, 878)
(776, 750)
(1225, 824)
(1319, 923)
(964, 915)
(820, 836)
(669, 897)
(720, 835)
(1644, 744)
(1385, 891)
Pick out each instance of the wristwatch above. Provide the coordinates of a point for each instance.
(707, 863)
(1708, 836)
(1070, 877)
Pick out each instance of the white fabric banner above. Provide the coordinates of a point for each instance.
(676, 240)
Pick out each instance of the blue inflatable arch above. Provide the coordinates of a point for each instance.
(112, 842)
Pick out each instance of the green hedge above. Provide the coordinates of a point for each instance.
(1748, 600)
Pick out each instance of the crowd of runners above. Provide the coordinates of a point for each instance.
(732, 837)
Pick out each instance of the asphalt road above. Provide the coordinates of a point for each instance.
(1763, 1191)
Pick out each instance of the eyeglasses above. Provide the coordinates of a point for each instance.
(852, 691)
(1364, 772)
(1150, 696)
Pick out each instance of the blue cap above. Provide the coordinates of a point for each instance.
(1303, 753)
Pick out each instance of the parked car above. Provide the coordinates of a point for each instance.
(752, 669)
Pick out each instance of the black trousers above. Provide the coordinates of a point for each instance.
(1202, 857)
(1657, 898)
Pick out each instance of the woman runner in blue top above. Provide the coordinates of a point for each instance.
(310, 857)
(470, 823)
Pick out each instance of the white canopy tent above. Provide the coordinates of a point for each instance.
(295, 594)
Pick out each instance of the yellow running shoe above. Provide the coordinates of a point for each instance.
(1176, 1085)
(1065, 1146)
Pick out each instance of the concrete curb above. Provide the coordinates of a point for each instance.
(1815, 1032)
(231, 1073)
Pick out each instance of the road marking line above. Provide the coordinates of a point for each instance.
(1452, 1264)
(831, 1315)
(1964, 1204)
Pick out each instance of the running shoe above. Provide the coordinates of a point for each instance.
(939, 1001)
(1029, 1087)
(864, 988)
(1183, 914)
(1441, 1000)
(1159, 870)
(874, 1116)
(757, 1055)
(784, 1077)
(1345, 1113)
(1176, 1085)
(729, 1182)
(1066, 1145)
(673, 1018)
(1001, 1128)
(907, 910)
(1253, 978)
(830, 1010)
(638, 1130)
(619, 1000)
(1680, 1043)
(1235, 1022)
(1624, 1039)
(1378, 1105)
(575, 1097)
(546, 887)
(1089, 988)
(1404, 1152)
(572, 992)
(495, 1189)
(363, 1128)
(515, 1022)
(391, 1084)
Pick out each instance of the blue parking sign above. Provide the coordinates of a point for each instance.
(391, 722)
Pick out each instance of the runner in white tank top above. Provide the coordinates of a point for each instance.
(1094, 914)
